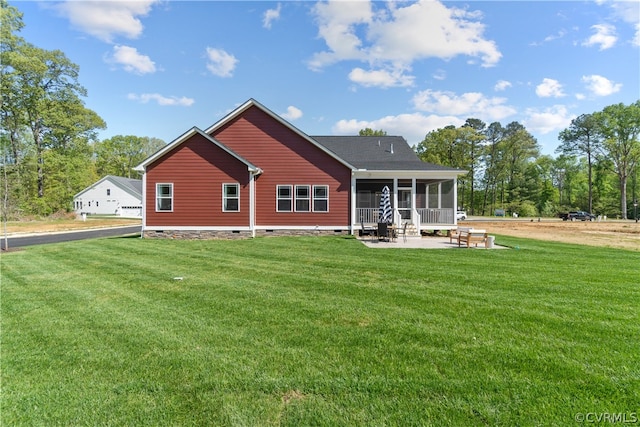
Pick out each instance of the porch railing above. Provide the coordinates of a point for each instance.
(426, 215)
(367, 215)
(436, 216)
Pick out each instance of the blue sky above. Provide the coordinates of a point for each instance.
(157, 68)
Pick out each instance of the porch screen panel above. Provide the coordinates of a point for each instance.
(421, 196)
(432, 198)
(447, 194)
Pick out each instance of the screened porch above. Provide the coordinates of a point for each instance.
(428, 204)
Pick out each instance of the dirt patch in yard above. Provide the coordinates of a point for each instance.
(611, 233)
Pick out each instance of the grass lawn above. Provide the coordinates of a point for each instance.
(317, 331)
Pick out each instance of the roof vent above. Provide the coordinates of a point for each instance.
(391, 149)
(378, 143)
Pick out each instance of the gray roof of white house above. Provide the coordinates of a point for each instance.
(133, 185)
(377, 153)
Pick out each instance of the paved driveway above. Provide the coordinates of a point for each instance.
(18, 241)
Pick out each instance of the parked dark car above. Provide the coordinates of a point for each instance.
(578, 216)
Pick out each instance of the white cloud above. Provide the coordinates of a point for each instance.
(292, 113)
(439, 74)
(470, 104)
(132, 61)
(106, 19)
(628, 12)
(381, 78)
(413, 127)
(600, 86)
(549, 88)
(161, 100)
(502, 85)
(387, 38)
(604, 36)
(271, 15)
(560, 34)
(220, 63)
(548, 120)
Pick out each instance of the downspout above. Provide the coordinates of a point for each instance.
(144, 202)
(254, 173)
(252, 203)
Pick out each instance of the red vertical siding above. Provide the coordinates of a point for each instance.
(197, 168)
(286, 158)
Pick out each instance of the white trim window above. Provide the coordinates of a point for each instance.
(321, 198)
(284, 198)
(303, 198)
(230, 197)
(164, 197)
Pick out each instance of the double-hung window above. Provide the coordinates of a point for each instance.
(230, 197)
(303, 198)
(321, 198)
(284, 198)
(164, 197)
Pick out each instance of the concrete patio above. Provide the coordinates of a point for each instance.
(426, 242)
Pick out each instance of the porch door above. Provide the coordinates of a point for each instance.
(404, 203)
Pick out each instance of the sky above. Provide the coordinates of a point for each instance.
(157, 68)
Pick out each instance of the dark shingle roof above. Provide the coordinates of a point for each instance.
(376, 152)
(132, 185)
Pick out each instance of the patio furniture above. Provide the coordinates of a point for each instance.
(403, 232)
(383, 231)
(367, 231)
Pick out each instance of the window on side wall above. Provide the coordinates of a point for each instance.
(164, 197)
(284, 198)
(303, 198)
(230, 197)
(321, 198)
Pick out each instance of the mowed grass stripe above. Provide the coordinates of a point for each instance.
(303, 331)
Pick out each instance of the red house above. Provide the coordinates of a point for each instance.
(253, 173)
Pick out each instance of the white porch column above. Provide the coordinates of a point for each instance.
(354, 197)
(455, 202)
(395, 200)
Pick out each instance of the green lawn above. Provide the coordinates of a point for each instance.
(317, 331)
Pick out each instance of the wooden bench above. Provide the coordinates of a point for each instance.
(453, 234)
(470, 235)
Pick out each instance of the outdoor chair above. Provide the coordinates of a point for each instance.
(367, 231)
(383, 231)
(403, 232)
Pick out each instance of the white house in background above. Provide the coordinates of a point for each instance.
(112, 195)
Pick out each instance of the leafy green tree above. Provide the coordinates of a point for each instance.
(582, 138)
(520, 147)
(371, 132)
(474, 137)
(118, 155)
(565, 170)
(619, 126)
(494, 167)
(441, 146)
(43, 115)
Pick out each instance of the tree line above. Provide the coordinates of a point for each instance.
(48, 137)
(596, 169)
(50, 148)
